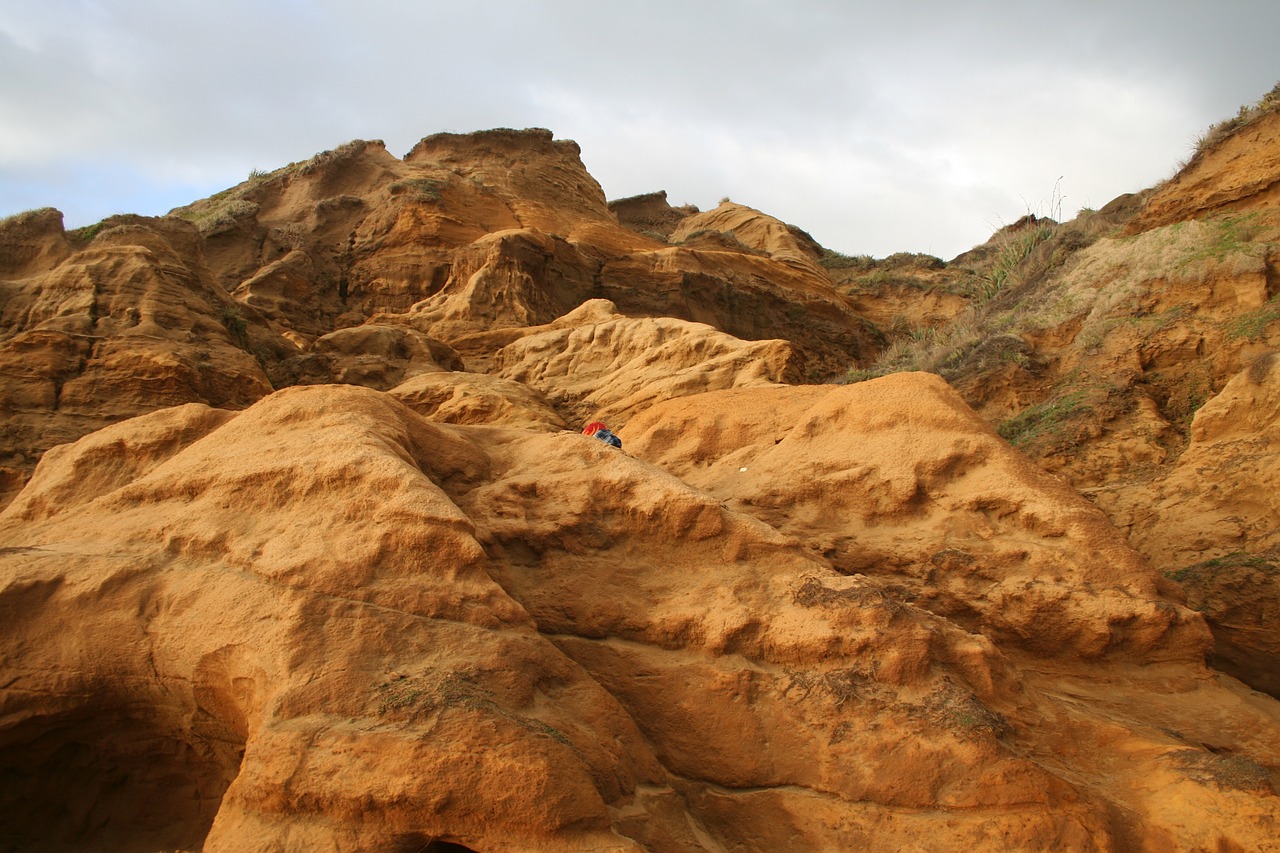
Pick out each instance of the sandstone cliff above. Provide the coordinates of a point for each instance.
(1127, 350)
(315, 557)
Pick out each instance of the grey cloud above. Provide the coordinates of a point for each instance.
(878, 127)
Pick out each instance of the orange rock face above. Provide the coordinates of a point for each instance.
(342, 624)
(1235, 175)
(898, 477)
(127, 324)
(316, 557)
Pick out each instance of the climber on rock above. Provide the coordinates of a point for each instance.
(600, 431)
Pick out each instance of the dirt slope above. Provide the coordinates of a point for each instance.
(1095, 344)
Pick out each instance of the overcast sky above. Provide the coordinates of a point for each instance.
(878, 127)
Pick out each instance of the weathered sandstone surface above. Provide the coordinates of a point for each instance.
(1117, 350)
(1238, 174)
(315, 556)
(329, 621)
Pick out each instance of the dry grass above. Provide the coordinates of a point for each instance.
(933, 349)
(1260, 368)
(1248, 114)
(217, 219)
(222, 211)
(408, 698)
(333, 156)
(1230, 772)
(419, 189)
(1004, 281)
(1105, 285)
(26, 217)
(1082, 284)
(727, 240)
(955, 709)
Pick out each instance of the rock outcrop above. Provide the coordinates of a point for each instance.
(897, 477)
(650, 214)
(468, 241)
(1211, 521)
(315, 556)
(91, 334)
(1233, 172)
(329, 621)
(1093, 344)
(594, 362)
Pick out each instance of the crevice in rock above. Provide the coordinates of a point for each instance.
(419, 842)
(123, 779)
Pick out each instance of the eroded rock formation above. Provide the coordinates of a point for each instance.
(315, 556)
(355, 626)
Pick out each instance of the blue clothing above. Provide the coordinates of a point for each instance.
(608, 438)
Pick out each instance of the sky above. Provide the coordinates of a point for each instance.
(878, 127)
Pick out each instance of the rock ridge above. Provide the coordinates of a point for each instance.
(301, 546)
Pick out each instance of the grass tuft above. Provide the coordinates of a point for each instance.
(1248, 114)
(1230, 772)
(1010, 259)
(1252, 324)
(1260, 368)
(1234, 560)
(1043, 419)
(87, 232)
(834, 260)
(419, 189)
(233, 321)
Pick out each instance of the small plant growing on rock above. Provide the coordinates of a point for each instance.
(1266, 563)
(1248, 114)
(962, 713)
(233, 320)
(1260, 368)
(1231, 772)
(409, 696)
(1042, 419)
(419, 189)
(88, 232)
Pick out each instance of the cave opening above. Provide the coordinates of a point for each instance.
(130, 782)
(422, 843)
